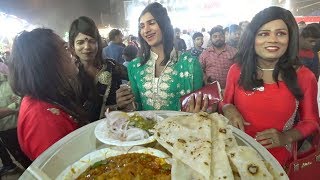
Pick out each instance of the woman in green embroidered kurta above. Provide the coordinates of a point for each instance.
(179, 77)
(160, 76)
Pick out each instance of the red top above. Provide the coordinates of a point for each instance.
(40, 125)
(274, 106)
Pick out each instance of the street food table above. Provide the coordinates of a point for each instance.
(79, 143)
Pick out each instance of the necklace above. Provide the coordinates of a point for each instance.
(267, 69)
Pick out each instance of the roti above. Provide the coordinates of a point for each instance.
(203, 148)
(188, 138)
(220, 166)
(248, 163)
(188, 173)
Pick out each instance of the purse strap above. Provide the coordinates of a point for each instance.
(315, 141)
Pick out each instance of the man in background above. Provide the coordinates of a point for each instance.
(234, 35)
(115, 47)
(302, 25)
(198, 42)
(307, 42)
(179, 43)
(206, 38)
(217, 59)
(243, 25)
(187, 39)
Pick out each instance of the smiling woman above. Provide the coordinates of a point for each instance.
(160, 76)
(267, 89)
(100, 78)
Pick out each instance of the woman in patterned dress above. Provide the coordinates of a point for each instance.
(100, 78)
(160, 76)
(267, 89)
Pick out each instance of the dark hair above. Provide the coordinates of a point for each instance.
(234, 28)
(130, 51)
(226, 30)
(240, 23)
(302, 22)
(113, 33)
(86, 26)
(247, 57)
(216, 29)
(197, 34)
(177, 30)
(161, 16)
(37, 70)
(311, 30)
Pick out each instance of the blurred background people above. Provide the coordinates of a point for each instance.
(43, 72)
(226, 33)
(302, 25)
(243, 25)
(267, 89)
(308, 56)
(179, 43)
(234, 35)
(9, 104)
(198, 42)
(187, 39)
(206, 38)
(132, 40)
(115, 46)
(100, 78)
(129, 53)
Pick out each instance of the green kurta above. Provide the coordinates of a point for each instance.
(180, 76)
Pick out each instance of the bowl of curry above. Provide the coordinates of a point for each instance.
(117, 164)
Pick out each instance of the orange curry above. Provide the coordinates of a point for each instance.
(136, 166)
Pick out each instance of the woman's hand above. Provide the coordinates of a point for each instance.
(124, 97)
(271, 138)
(194, 104)
(236, 119)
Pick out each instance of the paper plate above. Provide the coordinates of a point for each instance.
(101, 135)
(74, 170)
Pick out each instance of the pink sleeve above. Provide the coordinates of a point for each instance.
(42, 129)
(231, 83)
(308, 106)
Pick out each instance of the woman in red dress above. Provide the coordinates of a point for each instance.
(267, 88)
(43, 72)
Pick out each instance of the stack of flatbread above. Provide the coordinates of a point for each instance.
(203, 147)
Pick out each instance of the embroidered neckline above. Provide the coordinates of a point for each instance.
(157, 97)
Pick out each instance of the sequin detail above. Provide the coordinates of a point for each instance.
(104, 77)
(289, 125)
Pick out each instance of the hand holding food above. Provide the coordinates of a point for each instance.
(124, 97)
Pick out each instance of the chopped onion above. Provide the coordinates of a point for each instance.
(117, 125)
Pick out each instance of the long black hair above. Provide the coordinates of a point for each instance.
(160, 14)
(86, 26)
(288, 62)
(36, 67)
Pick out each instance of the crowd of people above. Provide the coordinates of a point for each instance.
(268, 70)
